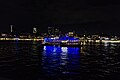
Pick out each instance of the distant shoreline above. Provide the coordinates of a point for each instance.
(20, 39)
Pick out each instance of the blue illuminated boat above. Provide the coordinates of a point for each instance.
(61, 41)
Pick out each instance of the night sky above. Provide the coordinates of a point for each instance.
(90, 16)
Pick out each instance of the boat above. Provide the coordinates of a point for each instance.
(61, 41)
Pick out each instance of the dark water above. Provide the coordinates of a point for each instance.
(31, 61)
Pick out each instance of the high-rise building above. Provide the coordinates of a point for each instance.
(51, 30)
(34, 30)
(57, 32)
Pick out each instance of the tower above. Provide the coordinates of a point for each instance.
(11, 28)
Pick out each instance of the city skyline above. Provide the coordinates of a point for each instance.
(63, 28)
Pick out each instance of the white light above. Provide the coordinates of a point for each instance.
(64, 49)
(106, 38)
(64, 41)
(44, 47)
(51, 38)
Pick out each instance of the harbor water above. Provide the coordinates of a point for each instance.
(31, 61)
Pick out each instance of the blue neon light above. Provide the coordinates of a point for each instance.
(60, 39)
(51, 49)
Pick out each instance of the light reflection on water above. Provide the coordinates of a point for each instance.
(60, 60)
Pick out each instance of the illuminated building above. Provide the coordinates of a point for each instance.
(57, 32)
(94, 37)
(71, 34)
(12, 32)
(11, 28)
(4, 35)
(25, 35)
(51, 30)
(34, 30)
